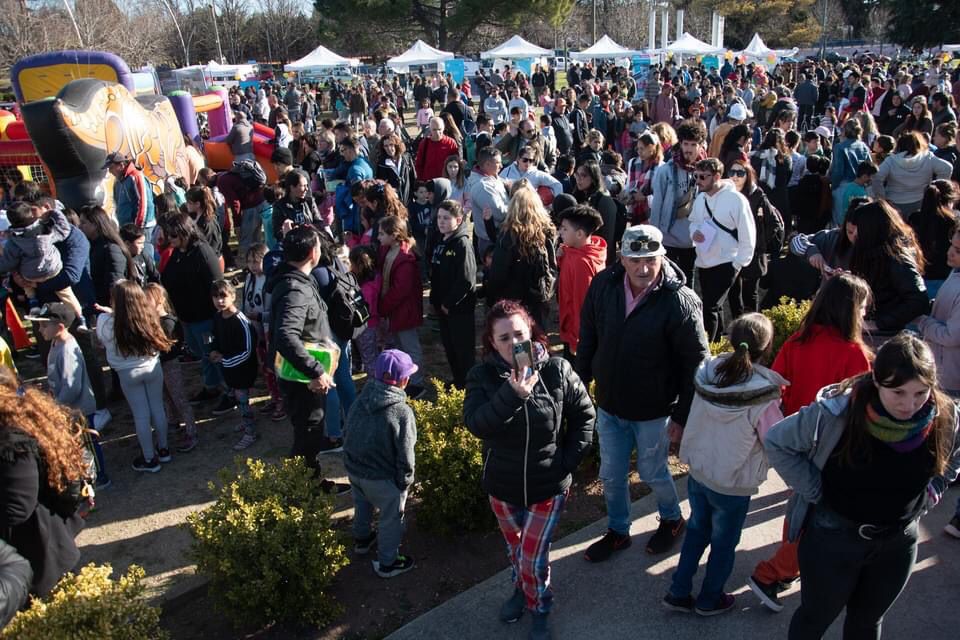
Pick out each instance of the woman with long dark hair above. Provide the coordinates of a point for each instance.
(395, 167)
(109, 259)
(773, 165)
(934, 225)
(297, 206)
(919, 119)
(188, 279)
(866, 461)
(536, 423)
(591, 189)
(203, 209)
(887, 256)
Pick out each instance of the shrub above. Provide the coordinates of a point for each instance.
(268, 546)
(786, 318)
(720, 346)
(90, 605)
(449, 467)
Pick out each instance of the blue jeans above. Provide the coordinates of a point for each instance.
(716, 520)
(618, 439)
(195, 334)
(341, 397)
(247, 420)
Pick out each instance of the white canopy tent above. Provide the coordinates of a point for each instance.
(757, 50)
(418, 54)
(515, 48)
(602, 49)
(221, 70)
(687, 45)
(950, 48)
(321, 58)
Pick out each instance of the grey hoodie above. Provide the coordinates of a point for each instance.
(902, 179)
(380, 434)
(799, 446)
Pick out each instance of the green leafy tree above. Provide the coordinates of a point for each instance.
(923, 23)
(781, 23)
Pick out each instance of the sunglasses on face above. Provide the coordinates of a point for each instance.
(525, 159)
(644, 245)
(737, 173)
(703, 176)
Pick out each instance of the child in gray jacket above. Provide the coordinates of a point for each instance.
(378, 455)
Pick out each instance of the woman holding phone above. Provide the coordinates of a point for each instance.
(536, 421)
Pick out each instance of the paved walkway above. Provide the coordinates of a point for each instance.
(621, 599)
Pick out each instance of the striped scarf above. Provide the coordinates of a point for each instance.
(902, 436)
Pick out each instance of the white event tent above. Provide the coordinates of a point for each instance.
(418, 54)
(687, 45)
(950, 47)
(757, 50)
(515, 48)
(321, 58)
(602, 49)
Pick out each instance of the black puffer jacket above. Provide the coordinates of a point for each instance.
(302, 212)
(899, 295)
(298, 314)
(643, 364)
(530, 447)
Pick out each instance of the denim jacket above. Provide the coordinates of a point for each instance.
(799, 446)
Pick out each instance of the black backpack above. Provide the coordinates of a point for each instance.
(347, 310)
(250, 172)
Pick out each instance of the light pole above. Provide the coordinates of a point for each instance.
(216, 31)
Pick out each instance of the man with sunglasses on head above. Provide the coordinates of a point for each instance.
(641, 340)
(724, 235)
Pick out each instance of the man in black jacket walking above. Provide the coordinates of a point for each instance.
(298, 317)
(641, 339)
(561, 127)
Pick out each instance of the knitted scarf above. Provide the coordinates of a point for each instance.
(681, 162)
(902, 436)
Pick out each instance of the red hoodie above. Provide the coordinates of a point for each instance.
(825, 358)
(577, 268)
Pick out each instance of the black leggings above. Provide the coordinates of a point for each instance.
(715, 283)
(840, 569)
(306, 410)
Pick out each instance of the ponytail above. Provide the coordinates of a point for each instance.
(752, 338)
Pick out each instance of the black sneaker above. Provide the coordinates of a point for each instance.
(205, 395)
(725, 604)
(163, 455)
(401, 565)
(334, 488)
(666, 535)
(225, 406)
(767, 593)
(148, 466)
(683, 605)
(512, 609)
(331, 445)
(953, 527)
(362, 546)
(33, 353)
(603, 548)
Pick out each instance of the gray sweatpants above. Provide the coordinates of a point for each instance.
(143, 389)
(385, 496)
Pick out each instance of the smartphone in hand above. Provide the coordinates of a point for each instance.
(523, 357)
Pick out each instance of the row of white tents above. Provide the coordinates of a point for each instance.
(517, 48)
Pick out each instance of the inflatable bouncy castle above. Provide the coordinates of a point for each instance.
(79, 106)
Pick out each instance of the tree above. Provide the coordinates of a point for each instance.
(923, 23)
(783, 23)
(448, 24)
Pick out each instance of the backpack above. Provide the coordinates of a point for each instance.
(774, 230)
(542, 274)
(250, 172)
(347, 309)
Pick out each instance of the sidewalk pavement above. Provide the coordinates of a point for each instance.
(620, 599)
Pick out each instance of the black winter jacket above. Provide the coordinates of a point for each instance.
(298, 314)
(303, 212)
(643, 364)
(36, 530)
(899, 295)
(530, 447)
(188, 277)
(15, 578)
(512, 276)
(107, 265)
(453, 273)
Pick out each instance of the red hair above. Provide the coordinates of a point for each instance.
(504, 309)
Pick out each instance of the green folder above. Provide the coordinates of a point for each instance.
(326, 353)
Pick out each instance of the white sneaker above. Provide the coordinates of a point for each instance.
(101, 418)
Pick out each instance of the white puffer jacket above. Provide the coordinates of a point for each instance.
(722, 440)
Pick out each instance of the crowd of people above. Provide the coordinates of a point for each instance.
(639, 220)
